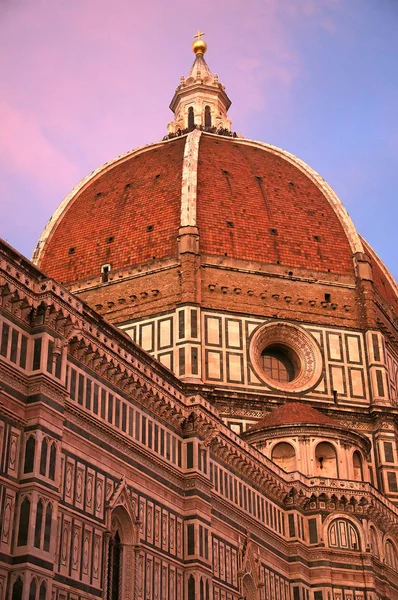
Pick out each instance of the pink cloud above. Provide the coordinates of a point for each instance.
(24, 149)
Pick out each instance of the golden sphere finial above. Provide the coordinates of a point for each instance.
(199, 46)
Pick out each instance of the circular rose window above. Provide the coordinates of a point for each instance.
(286, 357)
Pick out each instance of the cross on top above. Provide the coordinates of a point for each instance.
(198, 36)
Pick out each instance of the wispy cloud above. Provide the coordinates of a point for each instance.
(25, 150)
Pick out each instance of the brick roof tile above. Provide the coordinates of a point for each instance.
(293, 413)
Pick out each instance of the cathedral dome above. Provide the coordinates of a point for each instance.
(252, 202)
(204, 190)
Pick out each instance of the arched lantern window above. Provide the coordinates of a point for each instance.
(207, 116)
(191, 118)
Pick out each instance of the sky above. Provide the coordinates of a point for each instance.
(82, 81)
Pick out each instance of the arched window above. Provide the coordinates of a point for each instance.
(358, 470)
(191, 118)
(391, 555)
(47, 528)
(32, 590)
(342, 534)
(202, 589)
(24, 517)
(373, 543)
(207, 590)
(17, 589)
(284, 455)
(191, 588)
(53, 458)
(326, 460)
(207, 116)
(29, 455)
(43, 591)
(39, 521)
(43, 457)
(114, 555)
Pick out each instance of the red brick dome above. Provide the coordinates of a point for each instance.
(249, 201)
(293, 413)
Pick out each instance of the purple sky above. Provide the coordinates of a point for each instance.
(82, 81)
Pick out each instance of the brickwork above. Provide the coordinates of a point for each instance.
(265, 210)
(112, 220)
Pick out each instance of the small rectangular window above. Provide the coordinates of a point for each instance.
(36, 352)
(4, 340)
(95, 399)
(181, 356)
(216, 478)
(103, 403)
(376, 347)
(22, 356)
(189, 455)
(292, 529)
(130, 422)
(137, 426)
(168, 446)
(117, 412)
(14, 346)
(380, 385)
(318, 595)
(388, 452)
(173, 450)
(194, 323)
(179, 453)
(150, 429)
(124, 417)
(392, 481)
(156, 439)
(162, 441)
(110, 408)
(312, 527)
(143, 430)
(194, 361)
(58, 365)
(80, 392)
(50, 356)
(191, 539)
(88, 394)
(72, 392)
(181, 324)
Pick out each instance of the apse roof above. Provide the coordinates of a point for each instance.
(293, 413)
